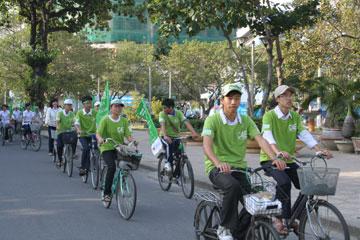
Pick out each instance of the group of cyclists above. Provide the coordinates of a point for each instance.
(225, 134)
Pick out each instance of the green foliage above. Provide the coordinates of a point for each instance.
(130, 111)
(156, 107)
(38, 57)
(197, 124)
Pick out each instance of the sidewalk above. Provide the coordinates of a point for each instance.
(347, 198)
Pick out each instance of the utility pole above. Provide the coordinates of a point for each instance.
(169, 84)
(252, 85)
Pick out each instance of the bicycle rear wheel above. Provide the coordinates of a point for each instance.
(187, 178)
(324, 221)
(126, 195)
(163, 177)
(262, 230)
(206, 220)
(68, 161)
(95, 168)
(36, 141)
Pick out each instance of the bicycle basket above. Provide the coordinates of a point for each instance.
(69, 137)
(318, 181)
(130, 156)
(35, 127)
(262, 203)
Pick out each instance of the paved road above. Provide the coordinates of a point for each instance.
(39, 202)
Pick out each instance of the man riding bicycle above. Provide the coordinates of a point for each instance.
(28, 117)
(64, 123)
(16, 116)
(5, 120)
(116, 127)
(85, 124)
(281, 127)
(225, 135)
(170, 123)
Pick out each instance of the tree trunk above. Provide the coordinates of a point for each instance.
(279, 63)
(267, 87)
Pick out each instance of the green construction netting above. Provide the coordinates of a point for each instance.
(130, 29)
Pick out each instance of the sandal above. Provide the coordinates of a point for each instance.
(295, 228)
(280, 227)
(106, 200)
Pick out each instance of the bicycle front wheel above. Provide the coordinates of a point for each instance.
(126, 195)
(36, 142)
(324, 221)
(206, 220)
(262, 231)
(187, 178)
(163, 177)
(69, 160)
(95, 168)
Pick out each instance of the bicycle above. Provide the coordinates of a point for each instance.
(68, 138)
(123, 186)
(33, 138)
(317, 181)
(182, 166)
(207, 213)
(9, 129)
(94, 164)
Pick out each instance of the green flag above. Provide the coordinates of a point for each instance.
(155, 142)
(104, 108)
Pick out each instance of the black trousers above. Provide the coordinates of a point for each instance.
(170, 149)
(60, 146)
(109, 158)
(85, 155)
(51, 140)
(234, 186)
(283, 188)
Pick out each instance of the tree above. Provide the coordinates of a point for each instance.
(199, 67)
(75, 69)
(47, 17)
(192, 17)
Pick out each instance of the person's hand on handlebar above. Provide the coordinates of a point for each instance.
(324, 153)
(100, 140)
(279, 164)
(224, 167)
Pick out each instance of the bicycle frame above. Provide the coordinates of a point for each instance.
(120, 172)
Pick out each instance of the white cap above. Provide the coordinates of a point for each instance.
(281, 89)
(68, 102)
(97, 103)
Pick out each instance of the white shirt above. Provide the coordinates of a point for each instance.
(225, 120)
(5, 117)
(28, 116)
(17, 115)
(50, 118)
(304, 135)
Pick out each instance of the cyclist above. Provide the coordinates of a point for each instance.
(85, 124)
(16, 116)
(5, 120)
(50, 121)
(96, 106)
(28, 117)
(225, 135)
(170, 122)
(116, 127)
(281, 127)
(64, 123)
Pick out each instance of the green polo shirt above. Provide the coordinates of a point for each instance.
(229, 141)
(87, 122)
(172, 130)
(284, 132)
(116, 129)
(65, 122)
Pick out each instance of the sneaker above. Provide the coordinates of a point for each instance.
(106, 200)
(167, 167)
(224, 233)
(82, 172)
(50, 154)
